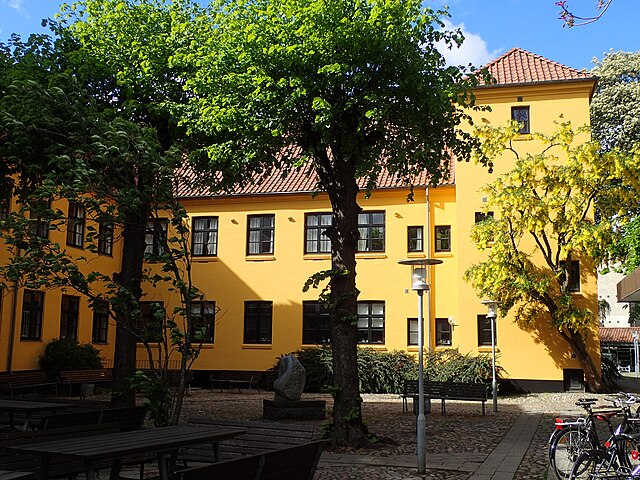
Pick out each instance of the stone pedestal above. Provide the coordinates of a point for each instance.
(294, 409)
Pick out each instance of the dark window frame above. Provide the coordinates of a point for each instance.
(415, 238)
(524, 121)
(258, 324)
(39, 227)
(147, 326)
(442, 243)
(367, 227)
(444, 332)
(316, 325)
(574, 276)
(155, 236)
(202, 317)
(69, 316)
(100, 326)
(201, 236)
(371, 330)
(32, 316)
(320, 242)
(263, 235)
(484, 331)
(412, 332)
(5, 206)
(76, 219)
(105, 238)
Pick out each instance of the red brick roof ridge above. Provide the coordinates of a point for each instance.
(518, 66)
(618, 334)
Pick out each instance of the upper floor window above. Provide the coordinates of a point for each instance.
(370, 322)
(443, 331)
(69, 312)
(155, 236)
(573, 285)
(521, 115)
(371, 227)
(260, 234)
(315, 240)
(412, 331)
(415, 239)
(316, 327)
(151, 322)
(100, 322)
(205, 236)
(203, 318)
(443, 238)
(257, 321)
(75, 225)
(105, 238)
(481, 216)
(484, 331)
(39, 225)
(32, 310)
(5, 205)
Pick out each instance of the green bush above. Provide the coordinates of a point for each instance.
(68, 354)
(452, 366)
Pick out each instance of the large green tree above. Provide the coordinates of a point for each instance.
(343, 89)
(546, 222)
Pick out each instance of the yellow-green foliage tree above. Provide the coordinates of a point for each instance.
(545, 219)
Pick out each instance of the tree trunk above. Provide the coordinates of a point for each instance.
(348, 427)
(591, 372)
(129, 279)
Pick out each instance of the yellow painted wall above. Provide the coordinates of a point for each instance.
(232, 277)
(26, 353)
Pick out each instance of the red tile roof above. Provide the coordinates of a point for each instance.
(618, 334)
(298, 181)
(518, 66)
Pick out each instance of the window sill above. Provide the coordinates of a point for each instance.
(207, 346)
(416, 255)
(373, 346)
(257, 346)
(317, 256)
(31, 340)
(203, 259)
(370, 255)
(485, 349)
(260, 258)
(523, 137)
(442, 255)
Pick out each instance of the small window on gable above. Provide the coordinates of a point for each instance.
(521, 115)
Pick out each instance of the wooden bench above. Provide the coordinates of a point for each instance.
(78, 377)
(235, 379)
(12, 382)
(126, 418)
(447, 391)
(298, 462)
(12, 461)
(259, 437)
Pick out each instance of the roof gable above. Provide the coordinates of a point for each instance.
(518, 66)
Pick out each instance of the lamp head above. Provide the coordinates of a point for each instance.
(492, 308)
(419, 271)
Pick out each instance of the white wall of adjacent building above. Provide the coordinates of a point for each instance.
(619, 314)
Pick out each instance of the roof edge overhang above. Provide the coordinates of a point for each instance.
(628, 289)
(593, 80)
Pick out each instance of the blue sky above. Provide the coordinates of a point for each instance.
(491, 27)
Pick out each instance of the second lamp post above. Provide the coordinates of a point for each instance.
(420, 285)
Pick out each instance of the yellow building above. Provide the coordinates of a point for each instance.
(253, 251)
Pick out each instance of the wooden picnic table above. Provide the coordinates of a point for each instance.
(163, 442)
(28, 408)
(15, 475)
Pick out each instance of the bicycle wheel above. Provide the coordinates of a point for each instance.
(568, 446)
(595, 465)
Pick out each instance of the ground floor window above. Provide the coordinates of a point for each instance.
(257, 322)
(371, 322)
(316, 327)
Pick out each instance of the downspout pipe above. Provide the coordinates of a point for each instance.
(427, 249)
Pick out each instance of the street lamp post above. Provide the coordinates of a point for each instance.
(492, 314)
(420, 285)
(635, 352)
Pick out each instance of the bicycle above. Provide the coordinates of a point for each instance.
(572, 438)
(609, 463)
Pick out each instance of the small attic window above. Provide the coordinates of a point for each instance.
(521, 115)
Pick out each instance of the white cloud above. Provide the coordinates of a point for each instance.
(15, 4)
(472, 51)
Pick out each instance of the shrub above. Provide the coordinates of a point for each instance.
(452, 366)
(68, 354)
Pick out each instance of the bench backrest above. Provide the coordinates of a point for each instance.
(86, 376)
(240, 375)
(259, 437)
(88, 417)
(457, 390)
(297, 462)
(127, 418)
